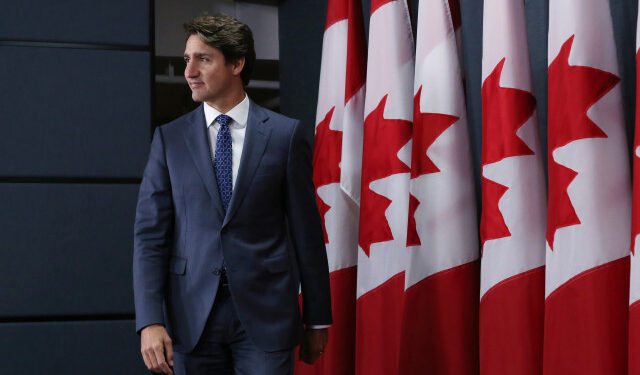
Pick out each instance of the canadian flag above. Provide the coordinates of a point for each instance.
(514, 203)
(337, 164)
(382, 255)
(440, 320)
(634, 291)
(589, 213)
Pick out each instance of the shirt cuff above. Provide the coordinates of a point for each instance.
(322, 326)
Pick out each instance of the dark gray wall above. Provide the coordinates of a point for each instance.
(75, 122)
(302, 26)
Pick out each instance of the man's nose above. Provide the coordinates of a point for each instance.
(190, 71)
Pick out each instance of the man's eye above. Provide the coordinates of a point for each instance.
(204, 59)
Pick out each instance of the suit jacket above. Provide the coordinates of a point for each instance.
(182, 233)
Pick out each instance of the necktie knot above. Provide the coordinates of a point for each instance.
(223, 120)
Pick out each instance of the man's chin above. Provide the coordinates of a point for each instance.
(196, 98)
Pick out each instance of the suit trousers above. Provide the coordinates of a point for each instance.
(225, 348)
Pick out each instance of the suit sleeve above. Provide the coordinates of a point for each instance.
(153, 232)
(305, 228)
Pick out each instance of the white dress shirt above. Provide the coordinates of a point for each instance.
(237, 127)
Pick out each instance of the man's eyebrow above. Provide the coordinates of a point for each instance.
(197, 54)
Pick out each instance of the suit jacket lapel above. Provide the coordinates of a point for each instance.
(197, 141)
(256, 137)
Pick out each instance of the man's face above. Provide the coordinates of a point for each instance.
(208, 74)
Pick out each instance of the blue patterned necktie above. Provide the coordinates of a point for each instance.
(222, 160)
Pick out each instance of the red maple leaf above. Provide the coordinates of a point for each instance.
(383, 138)
(504, 111)
(412, 231)
(427, 127)
(323, 208)
(327, 152)
(572, 91)
(492, 223)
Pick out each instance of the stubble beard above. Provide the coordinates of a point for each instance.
(197, 97)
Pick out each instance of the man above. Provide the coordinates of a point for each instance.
(226, 207)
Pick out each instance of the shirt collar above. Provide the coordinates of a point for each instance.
(239, 114)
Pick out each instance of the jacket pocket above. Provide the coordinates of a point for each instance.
(177, 265)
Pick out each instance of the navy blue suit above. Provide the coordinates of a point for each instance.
(182, 234)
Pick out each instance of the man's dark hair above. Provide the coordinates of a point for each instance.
(232, 37)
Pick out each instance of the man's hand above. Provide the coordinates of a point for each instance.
(157, 352)
(313, 344)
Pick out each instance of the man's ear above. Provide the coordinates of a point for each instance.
(237, 66)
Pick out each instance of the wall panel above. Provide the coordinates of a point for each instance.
(74, 112)
(88, 347)
(80, 21)
(66, 249)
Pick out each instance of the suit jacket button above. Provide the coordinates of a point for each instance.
(216, 271)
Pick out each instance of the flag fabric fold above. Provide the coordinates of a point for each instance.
(384, 198)
(589, 211)
(513, 199)
(440, 319)
(337, 161)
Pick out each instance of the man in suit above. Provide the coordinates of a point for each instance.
(226, 210)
